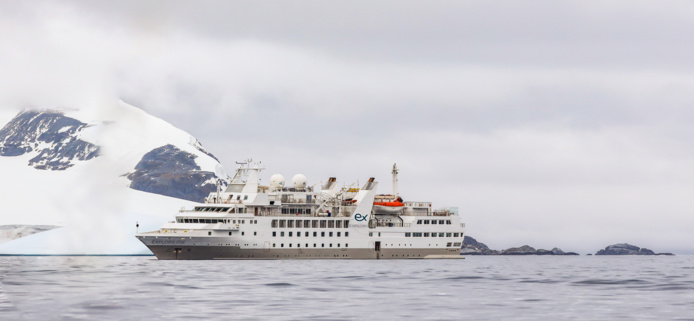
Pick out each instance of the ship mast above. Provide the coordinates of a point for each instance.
(395, 180)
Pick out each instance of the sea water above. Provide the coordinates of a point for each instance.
(476, 288)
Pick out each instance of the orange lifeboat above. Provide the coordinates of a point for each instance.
(390, 207)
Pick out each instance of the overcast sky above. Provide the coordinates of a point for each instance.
(547, 123)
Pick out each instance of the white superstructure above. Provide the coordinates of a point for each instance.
(251, 221)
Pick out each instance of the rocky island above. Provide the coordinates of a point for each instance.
(627, 249)
(473, 247)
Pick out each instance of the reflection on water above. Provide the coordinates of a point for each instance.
(477, 288)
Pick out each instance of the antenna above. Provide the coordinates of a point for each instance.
(395, 180)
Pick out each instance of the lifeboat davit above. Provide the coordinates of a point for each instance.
(392, 207)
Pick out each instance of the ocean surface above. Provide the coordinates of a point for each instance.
(476, 288)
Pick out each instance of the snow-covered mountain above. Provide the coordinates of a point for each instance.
(93, 173)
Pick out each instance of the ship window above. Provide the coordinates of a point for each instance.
(306, 234)
(441, 222)
(331, 224)
(209, 233)
(306, 244)
(234, 221)
(371, 234)
(331, 244)
(338, 234)
(245, 197)
(274, 244)
(338, 224)
(407, 234)
(238, 197)
(243, 233)
(426, 221)
(346, 234)
(315, 234)
(282, 245)
(298, 223)
(346, 223)
(284, 211)
(433, 234)
(308, 211)
(307, 224)
(346, 245)
(379, 234)
(426, 234)
(322, 245)
(282, 233)
(243, 221)
(290, 244)
(322, 234)
(314, 223)
(283, 223)
(255, 222)
(457, 244)
(208, 221)
(330, 234)
(290, 234)
(448, 222)
(433, 222)
(195, 220)
(298, 234)
(314, 244)
(229, 233)
(274, 223)
(290, 223)
(292, 210)
(274, 234)
(449, 234)
(323, 223)
(455, 234)
(440, 234)
(419, 221)
(449, 244)
(299, 211)
(298, 244)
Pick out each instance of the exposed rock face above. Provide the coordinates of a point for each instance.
(52, 136)
(170, 171)
(627, 249)
(523, 250)
(472, 247)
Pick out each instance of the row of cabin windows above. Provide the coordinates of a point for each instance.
(306, 234)
(434, 222)
(432, 234)
(314, 245)
(296, 210)
(456, 244)
(214, 221)
(311, 223)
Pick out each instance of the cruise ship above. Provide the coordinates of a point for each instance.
(247, 220)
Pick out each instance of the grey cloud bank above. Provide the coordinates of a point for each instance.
(550, 124)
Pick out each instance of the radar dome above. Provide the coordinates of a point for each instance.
(277, 181)
(299, 181)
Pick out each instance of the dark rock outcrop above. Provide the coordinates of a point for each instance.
(170, 171)
(51, 135)
(627, 249)
(473, 247)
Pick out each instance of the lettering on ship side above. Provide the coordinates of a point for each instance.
(360, 218)
(163, 242)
